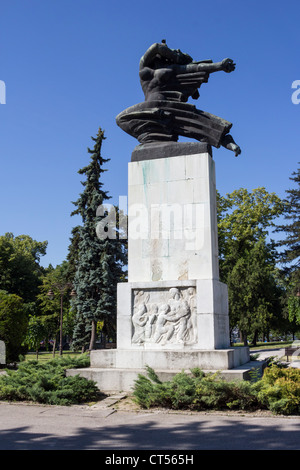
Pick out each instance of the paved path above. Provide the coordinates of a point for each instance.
(277, 353)
(102, 427)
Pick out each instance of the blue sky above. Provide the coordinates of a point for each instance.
(70, 66)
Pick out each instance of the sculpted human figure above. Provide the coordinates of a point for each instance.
(168, 320)
(168, 74)
(163, 327)
(181, 312)
(152, 315)
(139, 318)
(192, 301)
(169, 78)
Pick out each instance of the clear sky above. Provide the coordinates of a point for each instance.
(70, 66)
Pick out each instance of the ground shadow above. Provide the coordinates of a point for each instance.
(227, 434)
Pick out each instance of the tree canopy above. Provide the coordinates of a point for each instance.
(20, 270)
(290, 255)
(290, 248)
(248, 258)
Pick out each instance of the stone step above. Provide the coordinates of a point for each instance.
(112, 380)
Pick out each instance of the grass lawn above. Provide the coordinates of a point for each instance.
(45, 356)
(271, 345)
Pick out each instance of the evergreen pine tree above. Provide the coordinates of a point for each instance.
(72, 256)
(290, 256)
(98, 262)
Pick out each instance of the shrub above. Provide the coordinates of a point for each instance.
(279, 390)
(195, 391)
(47, 383)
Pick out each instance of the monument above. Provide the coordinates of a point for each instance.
(173, 311)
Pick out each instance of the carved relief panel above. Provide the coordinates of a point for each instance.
(164, 316)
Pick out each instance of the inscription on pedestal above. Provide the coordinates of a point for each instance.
(164, 316)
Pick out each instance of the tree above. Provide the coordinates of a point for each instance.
(13, 324)
(290, 256)
(72, 256)
(98, 262)
(20, 271)
(254, 293)
(50, 309)
(248, 260)
(36, 333)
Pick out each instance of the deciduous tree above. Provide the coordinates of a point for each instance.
(248, 259)
(20, 269)
(13, 324)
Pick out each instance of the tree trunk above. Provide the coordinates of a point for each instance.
(93, 336)
(245, 340)
(54, 346)
(254, 342)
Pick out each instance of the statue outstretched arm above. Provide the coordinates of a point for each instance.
(226, 65)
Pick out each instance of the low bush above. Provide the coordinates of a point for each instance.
(47, 382)
(195, 391)
(278, 390)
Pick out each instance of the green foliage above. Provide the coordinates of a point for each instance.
(254, 295)
(56, 279)
(248, 216)
(247, 260)
(195, 391)
(290, 254)
(20, 275)
(278, 390)
(36, 332)
(96, 263)
(294, 309)
(47, 383)
(20, 271)
(13, 324)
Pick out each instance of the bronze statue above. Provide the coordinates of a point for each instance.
(169, 78)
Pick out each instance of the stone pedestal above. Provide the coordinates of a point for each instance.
(172, 219)
(146, 319)
(173, 311)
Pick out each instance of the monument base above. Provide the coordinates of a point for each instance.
(172, 314)
(196, 335)
(116, 370)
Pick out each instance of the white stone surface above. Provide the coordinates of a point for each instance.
(221, 359)
(209, 321)
(173, 243)
(172, 222)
